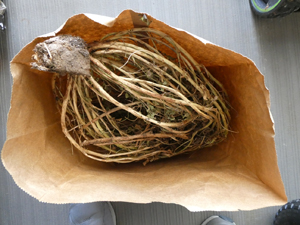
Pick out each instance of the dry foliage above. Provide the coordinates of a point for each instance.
(145, 99)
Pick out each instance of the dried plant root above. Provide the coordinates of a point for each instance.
(145, 98)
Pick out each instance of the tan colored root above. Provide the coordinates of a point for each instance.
(141, 103)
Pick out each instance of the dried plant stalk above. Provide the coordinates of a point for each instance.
(146, 99)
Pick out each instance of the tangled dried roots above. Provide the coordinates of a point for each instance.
(146, 99)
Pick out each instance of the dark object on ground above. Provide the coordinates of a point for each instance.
(274, 8)
(2, 15)
(289, 214)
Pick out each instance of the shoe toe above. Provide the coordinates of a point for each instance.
(95, 213)
(218, 220)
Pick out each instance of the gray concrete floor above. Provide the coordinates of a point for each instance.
(272, 44)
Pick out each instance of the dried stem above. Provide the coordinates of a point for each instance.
(147, 99)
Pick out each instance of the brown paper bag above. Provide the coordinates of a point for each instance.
(240, 173)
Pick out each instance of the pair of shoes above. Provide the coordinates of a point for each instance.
(95, 213)
(218, 220)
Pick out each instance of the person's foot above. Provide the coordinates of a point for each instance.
(218, 220)
(95, 213)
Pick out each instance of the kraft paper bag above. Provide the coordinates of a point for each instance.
(240, 173)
